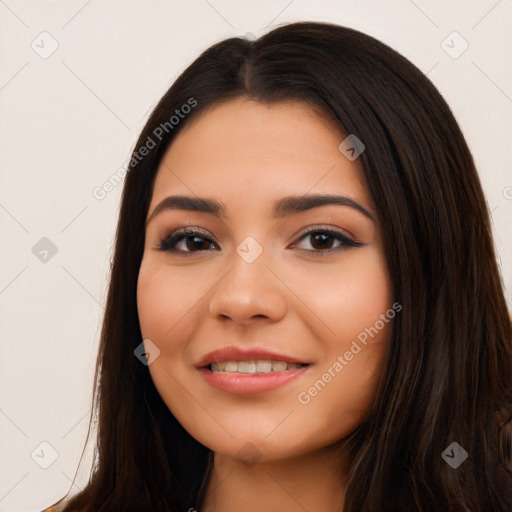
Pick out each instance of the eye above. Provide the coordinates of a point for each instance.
(323, 240)
(186, 241)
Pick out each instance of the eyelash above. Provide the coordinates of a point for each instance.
(169, 243)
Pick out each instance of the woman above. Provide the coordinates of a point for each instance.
(305, 310)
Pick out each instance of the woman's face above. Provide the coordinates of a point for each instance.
(270, 339)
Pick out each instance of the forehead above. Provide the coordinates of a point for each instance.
(243, 149)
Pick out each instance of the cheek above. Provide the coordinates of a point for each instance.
(165, 301)
(356, 305)
(167, 317)
(153, 296)
(349, 298)
(335, 400)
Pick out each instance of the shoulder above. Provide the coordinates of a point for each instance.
(58, 506)
(54, 508)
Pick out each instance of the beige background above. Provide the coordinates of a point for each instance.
(68, 121)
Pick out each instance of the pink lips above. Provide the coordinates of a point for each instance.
(250, 383)
(244, 354)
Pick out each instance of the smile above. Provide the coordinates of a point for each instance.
(253, 366)
(251, 376)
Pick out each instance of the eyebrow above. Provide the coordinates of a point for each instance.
(282, 208)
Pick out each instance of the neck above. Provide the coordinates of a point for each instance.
(314, 481)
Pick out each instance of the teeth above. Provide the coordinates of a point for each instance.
(246, 367)
(263, 366)
(230, 366)
(279, 366)
(253, 366)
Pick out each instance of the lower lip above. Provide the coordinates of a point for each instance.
(250, 383)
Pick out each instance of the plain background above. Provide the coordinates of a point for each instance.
(69, 120)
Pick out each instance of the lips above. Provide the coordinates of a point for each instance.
(245, 354)
(250, 383)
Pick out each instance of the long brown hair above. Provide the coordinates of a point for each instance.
(448, 370)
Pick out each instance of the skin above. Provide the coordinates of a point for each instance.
(289, 300)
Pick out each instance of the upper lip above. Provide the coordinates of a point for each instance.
(244, 354)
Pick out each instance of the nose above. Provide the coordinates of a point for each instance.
(249, 291)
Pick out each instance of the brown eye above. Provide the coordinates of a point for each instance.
(186, 242)
(196, 243)
(324, 240)
(321, 241)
